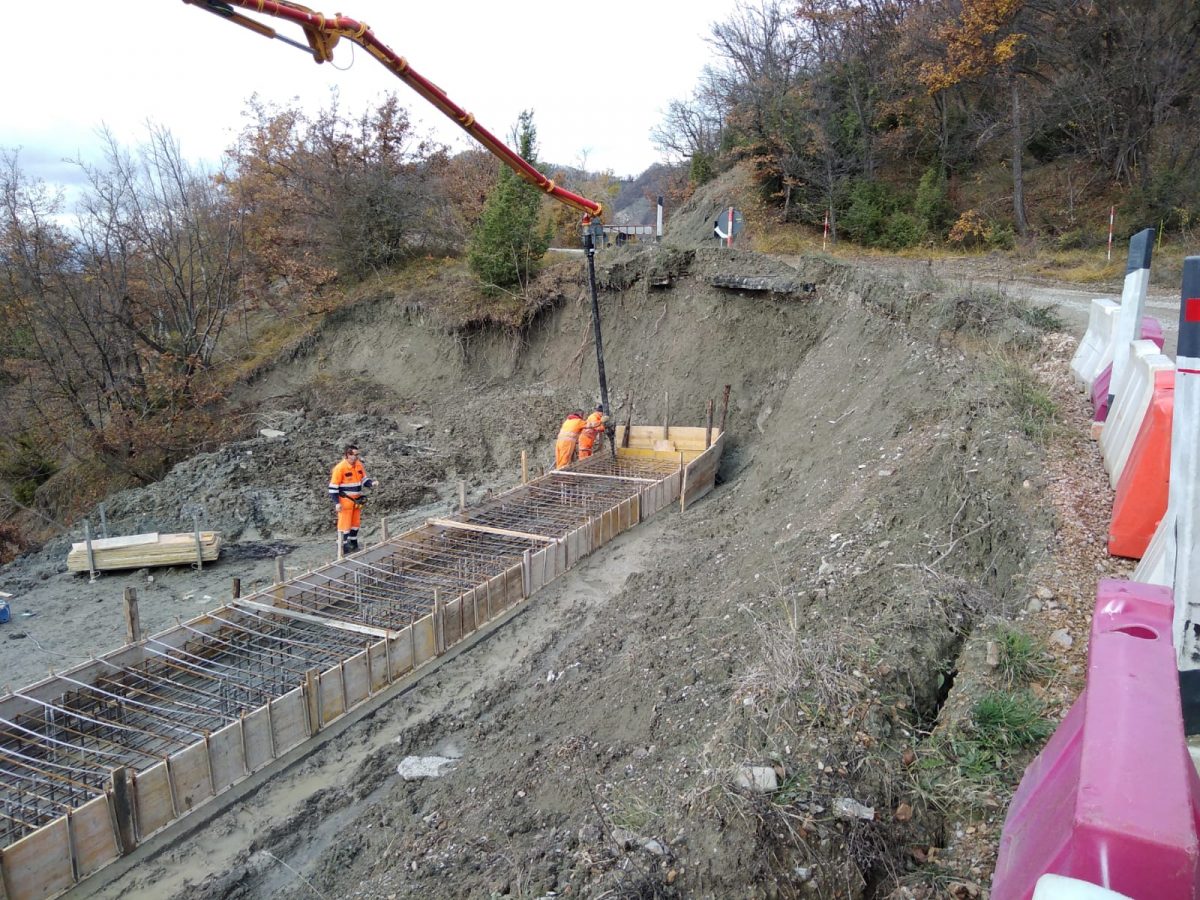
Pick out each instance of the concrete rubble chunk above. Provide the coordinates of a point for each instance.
(847, 808)
(758, 778)
(412, 768)
(272, 434)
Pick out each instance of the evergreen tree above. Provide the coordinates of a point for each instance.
(508, 243)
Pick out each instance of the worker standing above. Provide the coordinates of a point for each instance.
(591, 438)
(568, 438)
(346, 483)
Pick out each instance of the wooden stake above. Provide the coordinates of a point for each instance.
(383, 529)
(708, 426)
(123, 809)
(312, 705)
(237, 588)
(462, 496)
(439, 623)
(628, 426)
(724, 408)
(133, 622)
(524, 467)
(666, 414)
(279, 570)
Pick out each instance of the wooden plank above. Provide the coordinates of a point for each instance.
(424, 639)
(227, 754)
(289, 723)
(316, 620)
(468, 613)
(379, 666)
(93, 837)
(191, 777)
(452, 622)
(400, 656)
(515, 586)
(257, 738)
(152, 800)
(121, 793)
(39, 865)
(332, 695)
(356, 679)
(487, 529)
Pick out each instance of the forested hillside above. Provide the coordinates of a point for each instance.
(977, 120)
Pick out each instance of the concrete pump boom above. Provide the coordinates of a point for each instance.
(324, 32)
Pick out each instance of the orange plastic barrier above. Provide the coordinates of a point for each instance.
(1141, 498)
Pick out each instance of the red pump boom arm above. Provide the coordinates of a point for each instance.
(324, 32)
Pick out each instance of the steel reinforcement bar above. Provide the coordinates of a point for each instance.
(96, 760)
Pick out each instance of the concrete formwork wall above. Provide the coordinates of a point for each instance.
(56, 856)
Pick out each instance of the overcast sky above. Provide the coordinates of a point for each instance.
(596, 75)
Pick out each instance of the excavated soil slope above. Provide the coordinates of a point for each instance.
(877, 498)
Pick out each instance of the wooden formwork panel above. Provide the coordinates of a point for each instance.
(514, 587)
(702, 473)
(152, 799)
(469, 621)
(191, 778)
(539, 569)
(289, 721)
(452, 622)
(494, 591)
(39, 865)
(357, 679)
(257, 738)
(688, 438)
(377, 663)
(400, 653)
(332, 694)
(476, 600)
(227, 754)
(424, 639)
(93, 836)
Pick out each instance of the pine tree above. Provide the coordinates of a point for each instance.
(509, 242)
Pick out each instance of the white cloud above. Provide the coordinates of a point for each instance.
(597, 76)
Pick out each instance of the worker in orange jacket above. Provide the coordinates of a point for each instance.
(346, 483)
(568, 438)
(591, 437)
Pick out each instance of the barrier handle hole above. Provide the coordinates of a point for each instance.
(1143, 632)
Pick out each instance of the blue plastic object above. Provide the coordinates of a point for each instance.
(5, 615)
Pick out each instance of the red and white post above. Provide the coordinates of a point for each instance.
(1112, 216)
(825, 236)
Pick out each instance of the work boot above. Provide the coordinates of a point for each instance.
(353, 546)
(348, 547)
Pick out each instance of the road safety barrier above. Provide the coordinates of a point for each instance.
(1095, 350)
(1113, 797)
(1141, 498)
(1125, 419)
(1102, 387)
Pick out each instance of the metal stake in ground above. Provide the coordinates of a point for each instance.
(589, 249)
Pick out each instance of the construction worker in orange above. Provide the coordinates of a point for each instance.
(568, 438)
(346, 483)
(591, 439)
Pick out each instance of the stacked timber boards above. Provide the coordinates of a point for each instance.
(138, 551)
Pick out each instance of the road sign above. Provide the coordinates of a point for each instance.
(728, 224)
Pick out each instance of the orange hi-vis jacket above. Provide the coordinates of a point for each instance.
(593, 428)
(568, 437)
(346, 482)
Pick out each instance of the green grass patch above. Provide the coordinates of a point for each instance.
(1022, 659)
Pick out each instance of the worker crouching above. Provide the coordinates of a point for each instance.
(346, 483)
(568, 439)
(591, 438)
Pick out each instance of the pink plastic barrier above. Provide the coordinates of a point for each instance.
(1151, 331)
(1112, 798)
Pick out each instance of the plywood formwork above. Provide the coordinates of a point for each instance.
(96, 760)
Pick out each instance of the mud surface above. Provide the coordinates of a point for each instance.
(880, 495)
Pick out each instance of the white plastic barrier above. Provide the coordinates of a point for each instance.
(1087, 362)
(1124, 422)
(1157, 565)
(1059, 887)
(1128, 326)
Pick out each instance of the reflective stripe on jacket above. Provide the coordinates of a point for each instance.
(347, 479)
(571, 428)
